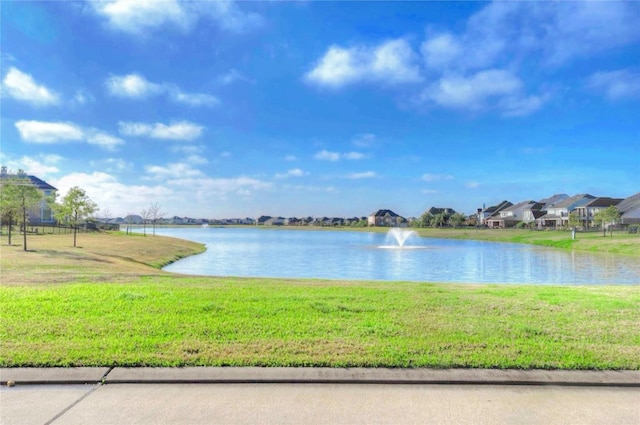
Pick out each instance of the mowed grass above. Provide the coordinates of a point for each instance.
(620, 243)
(107, 304)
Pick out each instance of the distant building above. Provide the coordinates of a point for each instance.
(558, 214)
(386, 218)
(526, 211)
(629, 210)
(42, 213)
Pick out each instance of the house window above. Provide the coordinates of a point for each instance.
(46, 214)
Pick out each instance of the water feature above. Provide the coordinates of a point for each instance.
(344, 255)
(399, 238)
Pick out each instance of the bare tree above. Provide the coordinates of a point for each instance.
(106, 214)
(129, 219)
(155, 214)
(146, 215)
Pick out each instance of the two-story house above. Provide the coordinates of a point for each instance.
(385, 218)
(558, 214)
(41, 214)
(588, 211)
(526, 211)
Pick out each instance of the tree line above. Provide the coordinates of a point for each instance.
(19, 196)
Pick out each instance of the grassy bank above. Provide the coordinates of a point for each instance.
(620, 243)
(105, 304)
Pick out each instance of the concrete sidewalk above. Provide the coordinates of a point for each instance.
(350, 396)
(296, 375)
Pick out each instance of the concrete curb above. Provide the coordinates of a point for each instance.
(54, 375)
(302, 375)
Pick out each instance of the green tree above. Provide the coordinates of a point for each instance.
(607, 217)
(457, 219)
(74, 208)
(425, 219)
(8, 206)
(18, 196)
(440, 219)
(574, 220)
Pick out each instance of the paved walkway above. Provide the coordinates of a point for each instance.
(320, 375)
(316, 395)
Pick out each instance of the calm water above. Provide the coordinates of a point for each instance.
(259, 252)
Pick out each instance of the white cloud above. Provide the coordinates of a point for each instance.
(82, 97)
(472, 184)
(40, 165)
(21, 86)
(229, 16)
(48, 132)
(577, 29)
(106, 191)
(233, 76)
(364, 140)
(294, 172)
(362, 175)
(194, 99)
(61, 132)
(197, 159)
(557, 31)
(436, 177)
(113, 164)
(391, 62)
(132, 85)
(104, 140)
(441, 51)
(395, 62)
(136, 16)
(173, 187)
(353, 155)
(518, 106)
(179, 130)
(140, 16)
(326, 155)
(616, 85)
(490, 89)
(206, 188)
(176, 170)
(337, 67)
(136, 86)
(187, 149)
(290, 158)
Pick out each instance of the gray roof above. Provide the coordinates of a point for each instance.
(574, 201)
(554, 199)
(629, 204)
(604, 202)
(383, 213)
(39, 183)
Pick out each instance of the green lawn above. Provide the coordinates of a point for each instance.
(104, 305)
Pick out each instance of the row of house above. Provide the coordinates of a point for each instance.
(554, 212)
(551, 212)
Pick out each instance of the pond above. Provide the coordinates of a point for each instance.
(346, 255)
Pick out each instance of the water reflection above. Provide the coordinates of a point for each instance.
(257, 252)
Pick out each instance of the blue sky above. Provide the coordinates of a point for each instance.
(222, 109)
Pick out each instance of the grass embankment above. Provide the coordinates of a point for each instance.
(620, 243)
(106, 305)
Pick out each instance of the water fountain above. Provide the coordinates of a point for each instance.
(399, 237)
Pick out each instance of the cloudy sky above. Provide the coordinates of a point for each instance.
(222, 109)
